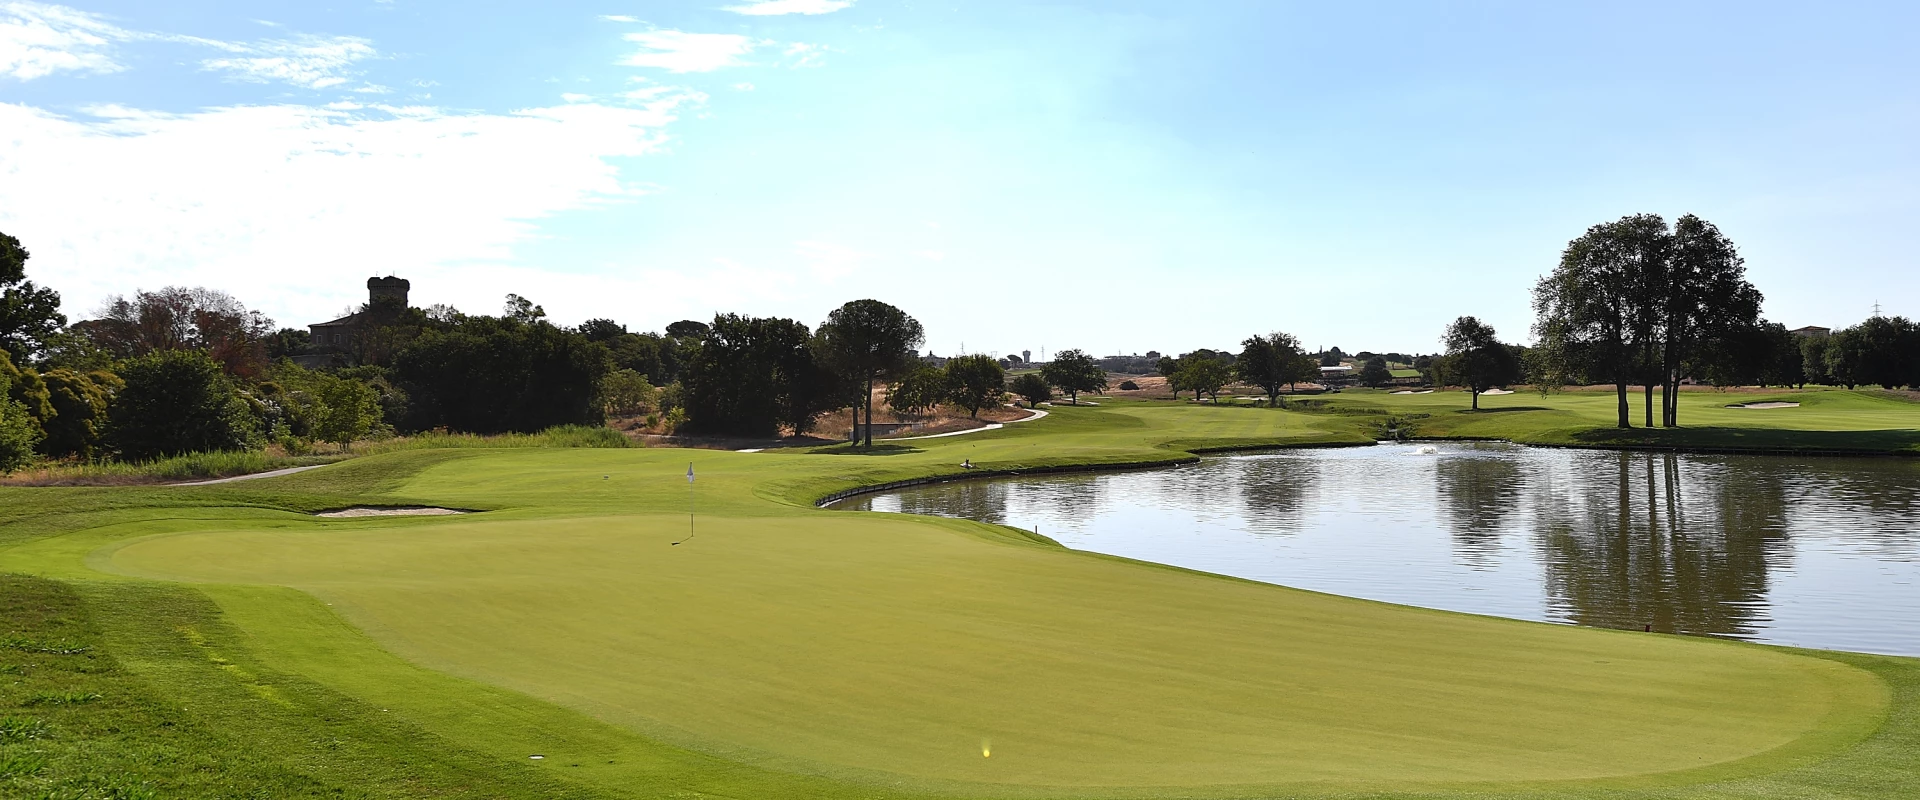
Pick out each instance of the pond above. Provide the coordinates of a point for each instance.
(1805, 551)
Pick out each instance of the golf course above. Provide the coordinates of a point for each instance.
(596, 626)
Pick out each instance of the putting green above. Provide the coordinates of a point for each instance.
(880, 648)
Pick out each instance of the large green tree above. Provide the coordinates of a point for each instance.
(975, 382)
(1205, 372)
(1708, 298)
(1633, 301)
(1270, 362)
(1375, 373)
(174, 402)
(499, 374)
(29, 314)
(80, 402)
(1073, 372)
(19, 433)
(1584, 313)
(1032, 388)
(867, 341)
(1476, 358)
(922, 388)
(750, 376)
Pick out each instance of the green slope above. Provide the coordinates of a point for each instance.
(793, 652)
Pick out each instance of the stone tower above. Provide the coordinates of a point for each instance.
(1027, 356)
(387, 289)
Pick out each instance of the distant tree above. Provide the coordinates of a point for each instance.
(750, 376)
(1738, 357)
(79, 402)
(975, 382)
(1846, 354)
(1205, 374)
(688, 329)
(181, 318)
(1476, 358)
(1888, 352)
(26, 387)
(1073, 372)
(1375, 373)
(1813, 359)
(1331, 357)
(626, 393)
(75, 350)
(921, 389)
(350, 411)
(18, 436)
(287, 343)
(1270, 362)
(602, 330)
(1125, 386)
(520, 309)
(1032, 388)
(1784, 365)
(866, 341)
(499, 374)
(175, 402)
(29, 314)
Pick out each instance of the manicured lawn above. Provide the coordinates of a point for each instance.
(787, 651)
(1826, 419)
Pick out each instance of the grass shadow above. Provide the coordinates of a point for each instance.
(1880, 441)
(876, 450)
(1507, 410)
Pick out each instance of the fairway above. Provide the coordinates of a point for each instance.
(792, 651)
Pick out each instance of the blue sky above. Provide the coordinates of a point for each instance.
(1113, 176)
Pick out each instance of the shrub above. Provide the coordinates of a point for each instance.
(1129, 386)
(177, 401)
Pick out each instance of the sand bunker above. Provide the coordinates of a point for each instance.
(413, 511)
(1496, 391)
(1422, 391)
(1765, 405)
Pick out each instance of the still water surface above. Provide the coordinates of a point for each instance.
(1813, 552)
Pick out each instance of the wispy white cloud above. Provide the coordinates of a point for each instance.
(122, 197)
(743, 87)
(802, 54)
(315, 62)
(765, 8)
(618, 18)
(679, 51)
(38, 39)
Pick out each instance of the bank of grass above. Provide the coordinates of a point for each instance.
(1826, 420)
(791, 652)
(229, 463)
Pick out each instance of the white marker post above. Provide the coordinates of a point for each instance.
(689, 503)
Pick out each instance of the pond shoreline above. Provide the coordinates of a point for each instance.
(1193, 457)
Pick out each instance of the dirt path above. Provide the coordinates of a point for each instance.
(255, 476)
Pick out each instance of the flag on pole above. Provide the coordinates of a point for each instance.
(689, 472)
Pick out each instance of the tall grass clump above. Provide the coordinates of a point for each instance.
(561, 436)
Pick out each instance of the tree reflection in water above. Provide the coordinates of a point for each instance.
(1479, 493)
(1683, 545)
(1817, 552)
(1273, 493)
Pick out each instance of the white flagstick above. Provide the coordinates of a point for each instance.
(689, 503)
